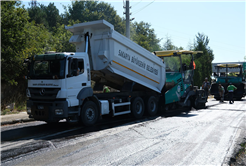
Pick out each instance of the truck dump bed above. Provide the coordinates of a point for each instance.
(116, 59)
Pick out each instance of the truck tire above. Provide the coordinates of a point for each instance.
(137, 107)
(89, 113)
(152, 106)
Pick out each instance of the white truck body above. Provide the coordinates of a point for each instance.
(118, 56)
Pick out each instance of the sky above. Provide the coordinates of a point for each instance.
(222, 21)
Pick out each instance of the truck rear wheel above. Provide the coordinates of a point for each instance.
(152, 106)
(89, 113)
(137, 107)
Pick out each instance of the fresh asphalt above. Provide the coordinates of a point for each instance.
(203, 137)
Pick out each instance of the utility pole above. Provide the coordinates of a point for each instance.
(127, 13)
(127, 20)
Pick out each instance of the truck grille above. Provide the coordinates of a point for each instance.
(44, 93)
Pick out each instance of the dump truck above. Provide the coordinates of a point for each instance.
(224, 77)
(60, 84)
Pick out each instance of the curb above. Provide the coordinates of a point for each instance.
(17, 121)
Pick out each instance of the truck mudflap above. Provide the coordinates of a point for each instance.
(200, 99)
(48, 111)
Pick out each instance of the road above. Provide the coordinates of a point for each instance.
(203, 137)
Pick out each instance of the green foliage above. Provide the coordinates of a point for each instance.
(205, 59)
(39, 39)
(13, 36)
(61, 38)
(45, 15)
(38, 15)
(198, 80)
(168, 45)
(86, 11)
(143, 35)
(53, 18)
(20, 39)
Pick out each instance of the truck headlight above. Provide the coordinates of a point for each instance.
(58, 111)
(28, 93)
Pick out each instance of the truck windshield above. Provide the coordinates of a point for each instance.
(47, 69)
(229, 71)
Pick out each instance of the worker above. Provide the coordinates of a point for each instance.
(206, 86)
(221, 92)
(230, 90)
(192, 65)
(106, 89)
(78, 71)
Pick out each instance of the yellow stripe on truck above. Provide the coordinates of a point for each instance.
(136, 72)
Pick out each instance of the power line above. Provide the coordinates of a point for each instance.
(143, 7)
(137, 3)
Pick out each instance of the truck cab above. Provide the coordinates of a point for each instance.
(55, 80)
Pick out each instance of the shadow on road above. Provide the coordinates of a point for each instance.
(187, 115)
(64, 130)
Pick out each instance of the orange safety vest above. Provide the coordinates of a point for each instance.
(194, 65)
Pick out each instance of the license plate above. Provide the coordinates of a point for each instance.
(40, 107)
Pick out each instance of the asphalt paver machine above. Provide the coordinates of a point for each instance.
(226, 74)
(179, 87)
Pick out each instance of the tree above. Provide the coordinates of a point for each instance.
(13, 36)
(20, 39)
(61, 38)
(85, 11)
(46, 15)
(168, 45)
(52, 15)
(39, 39)
(108, 13)
(38, 14)
(205, 59)
(143, 35)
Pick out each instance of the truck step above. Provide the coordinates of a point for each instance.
(122, 104)
(122, 113)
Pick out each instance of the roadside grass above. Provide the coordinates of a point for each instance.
(240, 157)
(16, 110)
(242, 150)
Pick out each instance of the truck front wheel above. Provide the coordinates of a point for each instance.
(151, 106)
(89, 113)
(137, 107)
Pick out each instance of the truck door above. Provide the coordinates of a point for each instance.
(76, 79)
